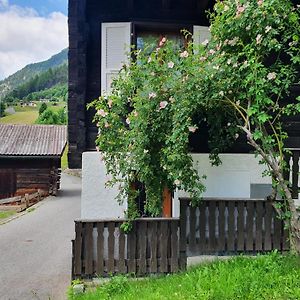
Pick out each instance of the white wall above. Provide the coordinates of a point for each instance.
(232, 179)
(98, 201)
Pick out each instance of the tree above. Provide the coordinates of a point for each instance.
(255, 47)
(48, 117)
(2, 108)
(42, 108)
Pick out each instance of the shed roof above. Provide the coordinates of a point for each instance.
(32, 140)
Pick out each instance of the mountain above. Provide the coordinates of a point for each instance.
(30, 71)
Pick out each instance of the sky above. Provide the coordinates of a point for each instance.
(30, 31)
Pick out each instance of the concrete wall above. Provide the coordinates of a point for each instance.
(98, 201)
(239, 176)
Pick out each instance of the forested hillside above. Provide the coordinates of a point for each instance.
(30, 71)
(51, 84)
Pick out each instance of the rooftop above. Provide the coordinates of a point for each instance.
(32, 140)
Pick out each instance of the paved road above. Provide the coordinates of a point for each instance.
(35, 249)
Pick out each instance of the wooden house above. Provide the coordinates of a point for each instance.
(100, 32)
(30, 158)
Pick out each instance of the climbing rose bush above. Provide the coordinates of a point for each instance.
(233, 84)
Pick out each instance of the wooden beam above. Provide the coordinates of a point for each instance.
(166, 4)
(202, 4)
(130, 4)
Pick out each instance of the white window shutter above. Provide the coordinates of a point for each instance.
(116, 41)
(200, 34)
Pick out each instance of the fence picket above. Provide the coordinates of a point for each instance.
(142, 240)
(132, 250)
(231, 229)
(111, 247)
(192, 223)
(258, 226)
(249, 226)
(88, 235)
(174, 247)
(212, 226)
(268, 226)
(78, 249)
(277, 232)
(100, 250)
(121, 262)
(163, 247)
(153, 247)
(240, 226)
(221, 227)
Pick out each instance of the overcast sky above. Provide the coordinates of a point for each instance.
(30, 31)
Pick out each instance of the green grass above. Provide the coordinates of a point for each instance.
(266, 277)
(64, 159)
(28, 114)
(6, 214)
(25, 117)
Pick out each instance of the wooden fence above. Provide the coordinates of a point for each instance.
(226, 226)
(20, 203)
(154, 246)
(100, 248)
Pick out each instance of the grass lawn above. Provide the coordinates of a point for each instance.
(6, 214)
(266, 277)
(64, 159)
(25, 117)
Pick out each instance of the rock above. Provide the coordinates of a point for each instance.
(78, 289)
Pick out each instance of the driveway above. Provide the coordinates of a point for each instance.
(35, 249)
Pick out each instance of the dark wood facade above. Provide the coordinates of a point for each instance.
(21, 175)
(85, 18)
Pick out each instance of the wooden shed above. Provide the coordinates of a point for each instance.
(30, 158)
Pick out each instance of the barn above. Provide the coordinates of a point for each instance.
(30, 158)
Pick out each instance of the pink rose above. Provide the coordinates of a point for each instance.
(184, 54)
(258, 39)
(192, 129)
(152, 95)
(260, 2)
(205, 43)
(102, 113)
(170, 65)
(163, 104)
(271, 76)
(240, 9)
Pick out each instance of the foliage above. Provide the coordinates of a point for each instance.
(24, 117)
(265, 277)
(64, 159)
(51, 117)
(145, 123)
(58, 92)
(2, 108)
(27, 73)
(6, 214)
(42, 108)
(257, 63)
(236, 83)
(52, 77)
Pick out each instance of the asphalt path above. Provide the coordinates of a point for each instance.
(35, 249)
